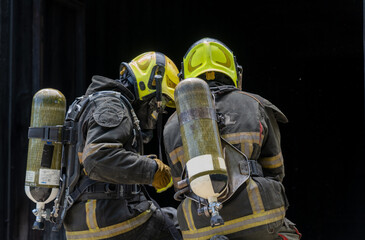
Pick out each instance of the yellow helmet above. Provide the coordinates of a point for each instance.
(208, 56)
(141, 72)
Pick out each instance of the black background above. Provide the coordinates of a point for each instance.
(304, 56)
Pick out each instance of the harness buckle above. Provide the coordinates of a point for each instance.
(255, 168)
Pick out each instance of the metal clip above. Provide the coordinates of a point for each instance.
(69, 200)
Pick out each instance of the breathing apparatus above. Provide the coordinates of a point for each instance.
(153, 77)
(53, 168)
(44, 151)
(210, 173)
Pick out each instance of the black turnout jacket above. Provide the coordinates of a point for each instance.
(107, 150)
(248, 122)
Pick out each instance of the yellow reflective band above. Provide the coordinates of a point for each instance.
(255, 197)
(90, 207)
(94, 147)
(111, 231)
(246, 139)
(237, 225)
(247, 148)
(243, 137)
(188, 215)
(154, 114)
(272, 162)
(177, 155)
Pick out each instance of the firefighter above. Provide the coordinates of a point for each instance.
(255, 211)
(118, 117)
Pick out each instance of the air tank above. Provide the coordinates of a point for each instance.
(205, 165)
(44, 157)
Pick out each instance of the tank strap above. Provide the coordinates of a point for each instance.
(46, 133)
(100, 190)
(91, 189)
(60, 133)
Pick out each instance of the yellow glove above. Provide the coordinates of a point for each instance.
(162, 179)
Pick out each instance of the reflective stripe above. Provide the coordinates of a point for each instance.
(177, 155)
(272, 162)
(255, 197)
(240, 137)
(111, 231)
(247, 148)
(237, 225)
(90, 207)
(188, 215)
(246, 139)
(94, 147)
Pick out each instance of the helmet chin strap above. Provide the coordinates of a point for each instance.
(158, 79)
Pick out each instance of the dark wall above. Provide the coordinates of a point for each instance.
(42, 46)
(304, 56)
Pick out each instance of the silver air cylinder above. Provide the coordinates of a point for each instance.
(44, 158)
(205, 165)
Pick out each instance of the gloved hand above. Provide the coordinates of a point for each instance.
(162, 179)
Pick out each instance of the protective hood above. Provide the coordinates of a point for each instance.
(100, 83)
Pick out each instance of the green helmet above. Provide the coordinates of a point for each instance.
(210, 56)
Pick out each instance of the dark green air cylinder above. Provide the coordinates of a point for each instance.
(42, 178)
(203, 154)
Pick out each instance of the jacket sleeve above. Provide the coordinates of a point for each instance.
(104, 157)
(271, 157)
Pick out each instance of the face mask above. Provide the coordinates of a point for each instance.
(147, 113)
(147, 136)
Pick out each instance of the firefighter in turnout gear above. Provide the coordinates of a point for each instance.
(117, 117)
(247, 122)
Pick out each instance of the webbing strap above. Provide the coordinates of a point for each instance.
(78, 191)
(255, 168)
(46, 133)
(101, 190)
(159, 134)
